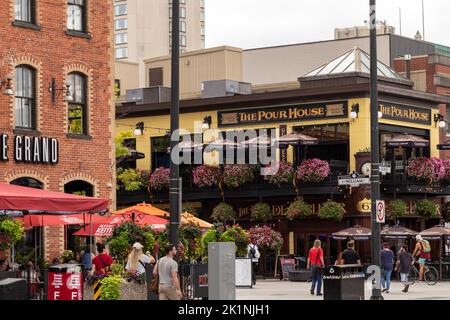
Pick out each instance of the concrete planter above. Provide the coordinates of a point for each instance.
(128, 291)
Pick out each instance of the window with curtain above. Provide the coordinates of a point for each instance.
(77, 107)
(76, 12)
(24, 10)
(25, 103)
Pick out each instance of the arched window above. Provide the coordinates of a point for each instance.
(79, 187)
(25, 102)
(78, 106)
(28, 182)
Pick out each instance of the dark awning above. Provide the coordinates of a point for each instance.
(407, 140)
(356, 233)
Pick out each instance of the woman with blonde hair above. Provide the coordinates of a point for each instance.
(137, 260)
(316, 263)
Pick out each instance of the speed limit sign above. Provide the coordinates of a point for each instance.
(381, 211)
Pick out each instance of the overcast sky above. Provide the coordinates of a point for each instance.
(259, 23)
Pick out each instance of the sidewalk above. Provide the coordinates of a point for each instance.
(275, 289)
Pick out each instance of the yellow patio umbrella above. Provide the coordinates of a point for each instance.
(188, 218)
(142, 208)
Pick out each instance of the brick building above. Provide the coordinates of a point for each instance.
(57, 122)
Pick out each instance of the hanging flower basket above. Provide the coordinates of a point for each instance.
(236, 175)
(396, 209)
(446, 164)
(11, 231)
(206, 176)
(332, 210)
(223, 212)
(298, 208)
(284, 174)
(426, 169)
(261, 212)
(426, 208)
(313, 170)
(265, 238)
(160, 179)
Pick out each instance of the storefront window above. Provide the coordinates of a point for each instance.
(159, 151)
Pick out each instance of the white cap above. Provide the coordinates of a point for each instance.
(419, 237)
(137, 245)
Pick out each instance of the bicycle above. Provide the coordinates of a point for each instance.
(430, 274)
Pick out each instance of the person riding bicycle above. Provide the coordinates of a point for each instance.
(423, 252)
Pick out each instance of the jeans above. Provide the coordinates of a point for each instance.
(255, 268)
(316, 279)
(386, 278)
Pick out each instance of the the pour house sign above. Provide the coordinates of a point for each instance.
(39, 150)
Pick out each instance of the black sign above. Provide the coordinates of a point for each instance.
(287, 265)
(38, 150)
(199, 273)
(405, 113)
(326, 110)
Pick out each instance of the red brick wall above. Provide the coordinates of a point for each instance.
(54, 54)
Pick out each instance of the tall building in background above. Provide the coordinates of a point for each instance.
(143, 29)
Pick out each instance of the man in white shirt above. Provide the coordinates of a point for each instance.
(253, 253)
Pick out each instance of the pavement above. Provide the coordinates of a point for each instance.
(275, 289)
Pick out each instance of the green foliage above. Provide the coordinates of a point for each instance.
(332, 210)
(186, 207)
(122, 151)
(237, 235)
(191, 236)
(426, 208)
(11, 231)
(223, 212)
(130, 179)
(119, 246)
(149, 242)
(212, 235)
(67, 255)
(298, 208)
(162, 239)
(396, 209)
(123, 238)
(117, 269)
(110, 289)
(23, 256)
(261, 212)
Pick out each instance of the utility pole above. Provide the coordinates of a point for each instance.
(175, 192)
(374, 147)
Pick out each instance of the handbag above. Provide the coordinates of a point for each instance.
(316, 266)
(154, 285)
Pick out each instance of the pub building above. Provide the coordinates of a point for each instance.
(56, 108)
(332, 105)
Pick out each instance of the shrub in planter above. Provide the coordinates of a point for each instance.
(191, 236)
(11, 231)
(110, 288)
(297, 208)
(212, 235)
(130, 179)
(313, 170)
(265, 238)
(123, 237)
(206, 176)
(237, 235)
(284, 174)
(117, 269)
(332, 210)
(236, 175)
(223, 212)
(160, 179)
(67, 256)
(396, 209)
(261, 212)
(426, 208)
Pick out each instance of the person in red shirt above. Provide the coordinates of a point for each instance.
(101, 263)
(316, 263)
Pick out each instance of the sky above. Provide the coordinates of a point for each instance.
(260, 23)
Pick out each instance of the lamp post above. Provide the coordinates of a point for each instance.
(374, 147)
(175, 192)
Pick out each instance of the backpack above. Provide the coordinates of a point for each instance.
(426, 246)
(252, 252)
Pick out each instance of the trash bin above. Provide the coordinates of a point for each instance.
(13, 289)
(344, 282)
(65, 282)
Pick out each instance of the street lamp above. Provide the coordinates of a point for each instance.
(374, 147)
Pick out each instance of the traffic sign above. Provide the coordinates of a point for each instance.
(381, 211)
(385, 167)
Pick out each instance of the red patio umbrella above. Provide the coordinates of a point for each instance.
(99, 230)
(141, 219)
(48, 220)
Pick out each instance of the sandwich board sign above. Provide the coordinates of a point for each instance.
(381, 211)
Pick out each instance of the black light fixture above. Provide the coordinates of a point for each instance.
(65, 89)
(6, 85)
(206, 122)
(439, 120)
(139, 129)
(354, 111)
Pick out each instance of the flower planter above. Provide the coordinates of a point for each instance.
(128, 291)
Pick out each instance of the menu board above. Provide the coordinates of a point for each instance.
(286, 266)
(244, 272)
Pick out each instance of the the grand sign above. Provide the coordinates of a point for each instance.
(327, 110)
(399, 112)
(38, 150)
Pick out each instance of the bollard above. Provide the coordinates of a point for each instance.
(97, 290)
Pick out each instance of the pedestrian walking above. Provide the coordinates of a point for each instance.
(253, 253)
(167, 271)
(404, 263)
(33, 279)
(137, 260)
(423, 252)
(350, 256)
(387, 265)
(102, 262)
(86, 260)
(315, 262)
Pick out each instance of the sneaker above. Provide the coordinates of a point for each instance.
(312, 291)
(405, 289)
(319, 294)
(384, 290)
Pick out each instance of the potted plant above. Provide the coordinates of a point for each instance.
(206, 176)
(236, 175)
(11, 231)
(332, 210)
(297, 208)
(123, 237)
(265, 238)
(284, 175)
(191, 236)
(446, 165)
(237, 235)
(223, 212)
(426, 208)
(313, 170)
(212, 235)
(160, 179)
(261, 212)
(395, 209)
(425, 169)
(129, 179)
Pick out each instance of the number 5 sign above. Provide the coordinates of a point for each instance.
(381, 211)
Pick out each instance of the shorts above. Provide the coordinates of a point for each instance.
(403, 277)
(422, 260)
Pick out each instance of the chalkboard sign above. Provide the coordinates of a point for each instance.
(244, 272)
(286, 266)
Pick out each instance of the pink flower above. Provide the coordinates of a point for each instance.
(313, 170)
(433, 169)
(206, 176)
(160, 179)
